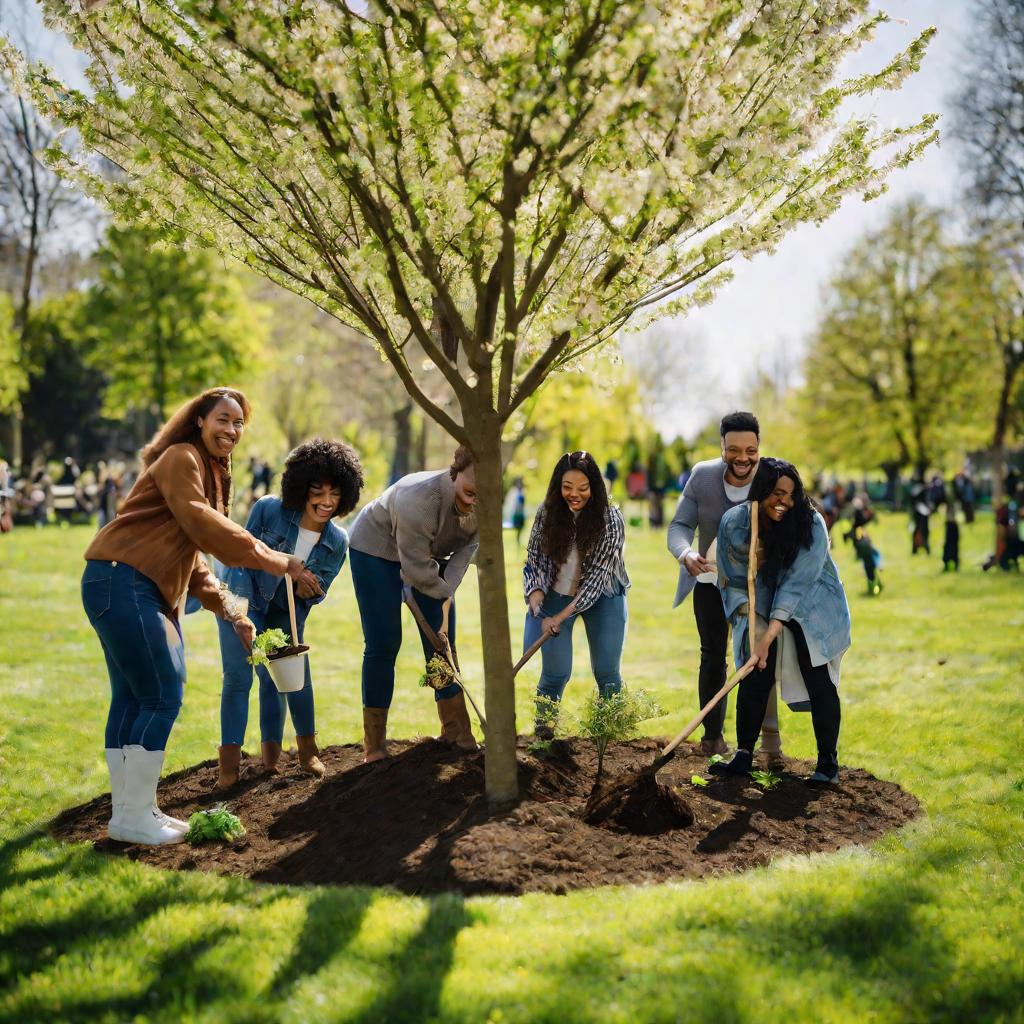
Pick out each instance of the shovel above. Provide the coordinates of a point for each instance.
(443, 647)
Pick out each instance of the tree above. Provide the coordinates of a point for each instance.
(165, 321)
(37, 210)
(989, 108)
(893, 352)
(504, 184)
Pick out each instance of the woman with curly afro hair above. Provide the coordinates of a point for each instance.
(322, 479)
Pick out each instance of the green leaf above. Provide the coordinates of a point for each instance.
(266, 643)
(215, 825)
(767, 780)
(698, 780)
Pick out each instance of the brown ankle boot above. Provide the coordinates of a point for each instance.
(456, 730)
(229, 757)
(375, 727)
(308, 759)
(271, 752)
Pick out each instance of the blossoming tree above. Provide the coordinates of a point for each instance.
(486, 188)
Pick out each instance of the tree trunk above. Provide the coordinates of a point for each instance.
(14, 454)
(1011, 364)
(500, 770)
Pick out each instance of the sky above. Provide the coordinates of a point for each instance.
(765, 315)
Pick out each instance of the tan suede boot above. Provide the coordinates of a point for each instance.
(375, 727)
(229, 757)
(456, 729)
(309, 760)
(771, 739)
(271, 752)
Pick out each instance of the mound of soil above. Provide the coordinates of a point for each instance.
(419, 821)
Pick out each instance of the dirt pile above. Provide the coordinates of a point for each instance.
(419, 821)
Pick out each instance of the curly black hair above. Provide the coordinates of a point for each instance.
(783, 540)
(320, 461)
(561, 528)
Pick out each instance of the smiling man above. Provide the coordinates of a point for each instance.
(714, 487)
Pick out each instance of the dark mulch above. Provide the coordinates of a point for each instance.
(419, 821)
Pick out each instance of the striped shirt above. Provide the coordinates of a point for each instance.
(603, 567)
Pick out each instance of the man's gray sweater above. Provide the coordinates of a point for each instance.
(701, 507)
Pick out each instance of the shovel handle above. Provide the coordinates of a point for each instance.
(529, 653)
(290, 591)
(739, 674)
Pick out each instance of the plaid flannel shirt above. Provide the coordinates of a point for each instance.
(603, 565)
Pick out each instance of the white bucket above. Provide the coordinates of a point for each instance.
(289, 674)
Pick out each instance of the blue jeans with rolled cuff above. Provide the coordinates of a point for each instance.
(378, 587)
(237, 682)
(605, 623)
(144, 650)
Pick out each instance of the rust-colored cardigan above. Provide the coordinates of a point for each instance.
(169, 518)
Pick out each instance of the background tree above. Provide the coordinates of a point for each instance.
(165, 322)
(40, 213)
(893, 355)
(504, 184)
(989, 106)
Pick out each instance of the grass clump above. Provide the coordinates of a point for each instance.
(439, 673)
(217, 825)
(266, 643)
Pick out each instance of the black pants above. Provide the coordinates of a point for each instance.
(713, 628)
(753, 699)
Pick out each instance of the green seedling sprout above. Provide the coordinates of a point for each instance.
(698, 780)
(266, 643)
(766, 780)
(439, 673)
(715, 759)
(215, 825)
(614, 718)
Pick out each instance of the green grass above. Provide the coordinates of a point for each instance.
(925, 925)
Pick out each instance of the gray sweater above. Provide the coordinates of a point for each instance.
(701, 507)
(415, 522)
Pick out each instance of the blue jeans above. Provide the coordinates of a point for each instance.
(605, 622)
(378, 586)
(144, 650)
(234, 694)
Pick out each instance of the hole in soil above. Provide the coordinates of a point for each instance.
(419, 821)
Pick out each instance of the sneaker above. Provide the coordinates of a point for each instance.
(741, 763)
(825, 774)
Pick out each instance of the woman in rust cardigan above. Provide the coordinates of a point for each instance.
(139, 569)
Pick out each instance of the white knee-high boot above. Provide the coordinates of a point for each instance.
(115, 765)
(141, 821)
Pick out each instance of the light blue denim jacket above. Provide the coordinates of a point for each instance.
(808, 592)
(278, 528)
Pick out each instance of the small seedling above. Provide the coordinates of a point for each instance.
(266, 643)
(439, 673)
(211, 826)
(715, 759)
(615, 717)
(698, 780)
(766, 780)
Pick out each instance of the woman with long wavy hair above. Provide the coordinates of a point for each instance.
(575, 569)
(805, 628)
(139, 569)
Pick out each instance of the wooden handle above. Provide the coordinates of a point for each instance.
(739, 674)
(290, 590)
(752, 578)
(530, 652)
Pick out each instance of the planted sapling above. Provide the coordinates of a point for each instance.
(614, 718)
(266, 643)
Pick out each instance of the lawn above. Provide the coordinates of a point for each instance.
(925, 925)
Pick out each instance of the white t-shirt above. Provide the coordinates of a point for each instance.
(565, 582)
(736, 494)
(307, 540)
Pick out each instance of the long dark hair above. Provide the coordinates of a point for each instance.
(784, 540)
(561, 528)
(182, 427)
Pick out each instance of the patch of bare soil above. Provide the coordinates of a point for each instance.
(419, 821)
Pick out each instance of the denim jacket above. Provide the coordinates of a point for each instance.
(278, 528)
(808, 592)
